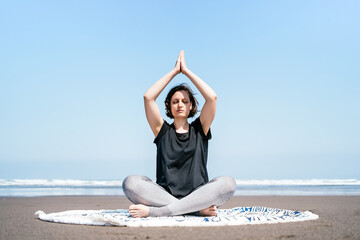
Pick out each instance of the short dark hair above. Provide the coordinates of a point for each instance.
(172, 91)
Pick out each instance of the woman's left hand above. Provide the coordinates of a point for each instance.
(183, 67)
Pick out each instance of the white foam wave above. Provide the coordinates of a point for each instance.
(59, 182)
(118, 183)
(300, 182)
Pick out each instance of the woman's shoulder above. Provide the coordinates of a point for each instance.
(164, 128)
(196, 124)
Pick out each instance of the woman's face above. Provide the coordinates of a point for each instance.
(180, 104)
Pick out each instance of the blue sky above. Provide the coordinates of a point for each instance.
(73, 74)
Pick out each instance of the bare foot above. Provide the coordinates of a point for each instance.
(210, 211)
(139, 211)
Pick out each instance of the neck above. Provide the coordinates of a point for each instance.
(181, 125)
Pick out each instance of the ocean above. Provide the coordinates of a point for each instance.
(70, 187)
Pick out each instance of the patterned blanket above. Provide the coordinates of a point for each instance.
(225, 217)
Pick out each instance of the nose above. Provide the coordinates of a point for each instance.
(181, 104)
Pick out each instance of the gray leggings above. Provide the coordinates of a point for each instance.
(141, 190)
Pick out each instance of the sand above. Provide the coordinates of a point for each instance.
(339, 219)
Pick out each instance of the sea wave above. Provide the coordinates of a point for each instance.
(59, 183)
(117, 183)
(300, 182)
(64, 187)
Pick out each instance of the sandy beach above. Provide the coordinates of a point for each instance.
(339, 219)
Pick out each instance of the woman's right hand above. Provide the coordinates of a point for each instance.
(183, 67)
(177, 68)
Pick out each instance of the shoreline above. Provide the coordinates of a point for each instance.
(280, 187)
(235, 196)
(339, 217)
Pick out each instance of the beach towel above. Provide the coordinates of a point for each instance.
(225, 217)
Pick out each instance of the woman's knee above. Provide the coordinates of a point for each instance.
(130, 182)
(228, 184)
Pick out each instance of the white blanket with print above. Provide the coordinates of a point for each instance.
(225, 217)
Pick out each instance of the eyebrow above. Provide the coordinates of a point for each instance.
(185, 98)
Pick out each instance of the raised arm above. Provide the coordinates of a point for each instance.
(152, 111)
(208, 111)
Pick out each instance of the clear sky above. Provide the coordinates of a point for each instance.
(73, 75)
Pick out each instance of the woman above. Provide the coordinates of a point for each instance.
(182, 185)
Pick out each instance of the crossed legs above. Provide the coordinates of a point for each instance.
(152, 200)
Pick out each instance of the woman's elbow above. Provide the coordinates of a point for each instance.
(146, 97)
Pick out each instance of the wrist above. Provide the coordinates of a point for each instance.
(185, 71)
(174, 72)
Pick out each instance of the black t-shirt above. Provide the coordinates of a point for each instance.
(182, 158)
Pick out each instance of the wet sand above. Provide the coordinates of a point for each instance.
(339, 218)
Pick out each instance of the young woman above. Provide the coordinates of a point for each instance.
(182, 185)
